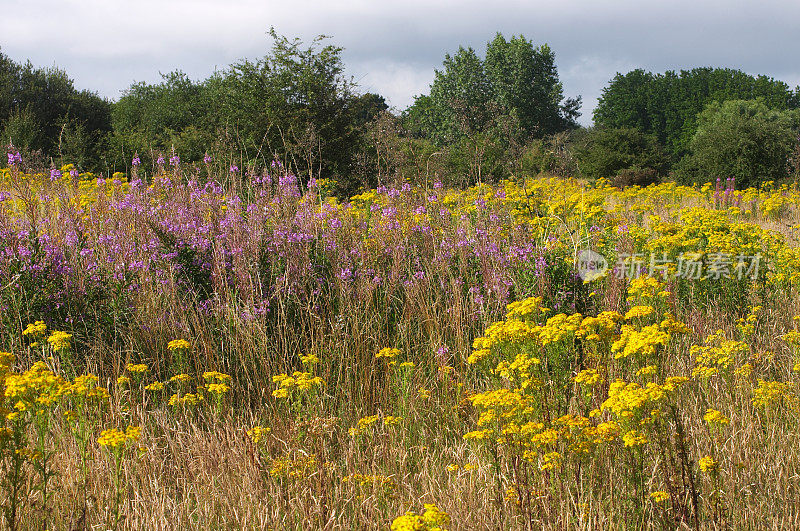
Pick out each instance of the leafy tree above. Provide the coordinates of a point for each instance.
(295, 102)
(666, 105)
(744, 139)
(366, 108)
(470, 96)
(152, 119)
(459, 98)
(525, 81)
(604, 153)
(40, 106)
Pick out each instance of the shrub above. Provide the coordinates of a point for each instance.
(742, 139)
(605, 152)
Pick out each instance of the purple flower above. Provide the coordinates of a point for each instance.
(55, 174)
(74, 173)
(437, 185)
(136, 161)
(207, 158)
(160, 160)
(234, 168)
(14, 158)
(174, 160)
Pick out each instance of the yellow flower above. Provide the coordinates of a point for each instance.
(114, 438)
(35, 329)
(388, 353)
(659, 496)
(189, 399)
(140, 368)
(646, 371)
(714, 417)
(392, 421)
(280, 393)
(634, 438)
(179, 344)
(588, 377)
(59, 340)
(155, 386)
(218, 389)
(550, 461)
(215, 375)
(257, 433)
(639, 312)
(310, 359)
(707, 464)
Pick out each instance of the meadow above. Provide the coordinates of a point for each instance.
(219, 348)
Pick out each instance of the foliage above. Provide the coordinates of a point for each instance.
(470, 95)
(604, 153)
(745, 140)
(667, 105)
(41, 110)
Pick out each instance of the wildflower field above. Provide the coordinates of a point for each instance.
(206, 348)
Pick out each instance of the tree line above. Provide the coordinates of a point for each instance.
(486, 117)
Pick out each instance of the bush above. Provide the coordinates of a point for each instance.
(635, 177)
(742, 139)
(603, 153)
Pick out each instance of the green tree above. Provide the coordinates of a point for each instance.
(604, 153)
(524, 80)
(667, 105)
(470, 96)
(744, 139)
(295, 102)
(38, 106)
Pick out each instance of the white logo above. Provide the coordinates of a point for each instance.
(591, 265)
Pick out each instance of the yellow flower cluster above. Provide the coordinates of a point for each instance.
(138, 369)
(768, 394)
(113, 438)
(179, 344)
(257, 434)
(363, 424)
(718, 354)
(642, 343)
(387, 352)
(35, 330)
(432, 519)
(59, 341)
(304, 382)
(299, 468)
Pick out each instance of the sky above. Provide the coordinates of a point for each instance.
(392, 48)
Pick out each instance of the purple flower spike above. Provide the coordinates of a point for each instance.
(160, 160)
(136, 161)
(207, 159)
(55, 174)
(234, 168)
(174, 160)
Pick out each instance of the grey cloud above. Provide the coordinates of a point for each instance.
(392, 48)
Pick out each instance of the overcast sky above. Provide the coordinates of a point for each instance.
(393, 47)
